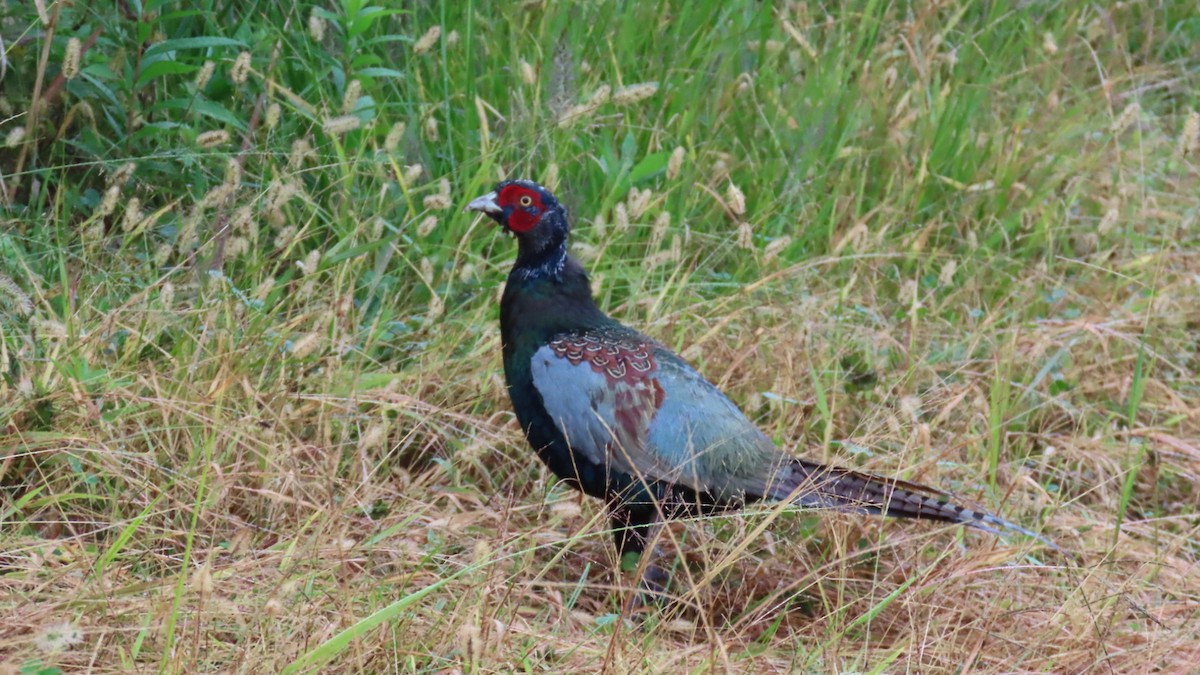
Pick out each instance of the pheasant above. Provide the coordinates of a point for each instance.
(622, 418)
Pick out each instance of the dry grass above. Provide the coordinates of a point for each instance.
(259, 424)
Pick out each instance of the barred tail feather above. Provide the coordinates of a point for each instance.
(818, 486)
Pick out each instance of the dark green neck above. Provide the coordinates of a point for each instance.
(547, 262)
(539, 303)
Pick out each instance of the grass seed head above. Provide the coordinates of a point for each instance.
(133, 214)
(72, 58)
(233, 173)
(889, 77)
(237, 247)
(310, 263)
(122, 174)
(202, 581)
(599, 97)
(1127, 117)
(1049, 44)
(166, 295)
(204, 75)
(437, 307)
(285, 237)
(58, 637)
(373, 438)
(745, 236)
(16, 298)
(341, 125)
(470, 641)
(427, 41)
(162, 254)
(108, 203)
(662, 225)
(212, 139)
(217, 196)
(736, 200)
(241, 68)
(391, 142)
(280, 193)
(620, 217)
(639, 202)
(15, 137)
(316, 26)
(263, 289)
(305, 345)
(427, 225)
(438, 202)
(634, 93)
(573, 114)
(719, 171)
(186, 238)
(467, 272)
(528, 75)
(301, 150)
(50, 328)
(675, 162)
(351, 95)
(776, 247)
(946, 276)
(274, 112)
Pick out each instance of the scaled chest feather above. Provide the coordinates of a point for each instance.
(619, 361)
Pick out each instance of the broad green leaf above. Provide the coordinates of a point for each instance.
(628, 150)
(364, 19)
(379, 72)
(161, 68)
(385, 39)
(650, 165)
(182, 44)
(203, 107)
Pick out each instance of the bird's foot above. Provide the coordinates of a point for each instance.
(652, 584)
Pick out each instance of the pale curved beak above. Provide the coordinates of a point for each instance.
(487, 204)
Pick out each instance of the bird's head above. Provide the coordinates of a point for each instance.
(528, 210)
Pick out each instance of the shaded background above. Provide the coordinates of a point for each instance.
(249, 364)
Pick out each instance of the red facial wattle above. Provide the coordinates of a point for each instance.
(523, 207)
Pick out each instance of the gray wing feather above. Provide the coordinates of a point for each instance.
(698, 438)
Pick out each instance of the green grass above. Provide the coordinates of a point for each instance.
(256, 418)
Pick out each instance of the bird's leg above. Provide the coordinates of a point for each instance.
(634, 528)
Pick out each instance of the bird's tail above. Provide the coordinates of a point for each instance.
(818, 486)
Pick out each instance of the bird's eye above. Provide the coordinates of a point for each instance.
(526, 200)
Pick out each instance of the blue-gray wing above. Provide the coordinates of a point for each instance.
(629, 404)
